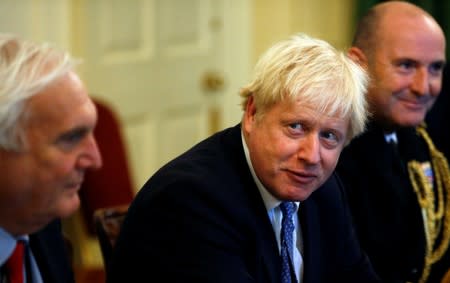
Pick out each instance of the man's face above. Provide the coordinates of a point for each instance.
(41, 183)
(293, 148)
(406, 72)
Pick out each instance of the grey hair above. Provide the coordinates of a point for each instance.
(314, 72)
(26, 68)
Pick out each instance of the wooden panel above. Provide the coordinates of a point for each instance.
(44, 20)
(190, 35)
(129, 36)
(141, 137)
(179, 130)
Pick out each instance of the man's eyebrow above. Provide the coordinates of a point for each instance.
(75, 132)
(442, 63)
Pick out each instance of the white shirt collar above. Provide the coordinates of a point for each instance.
(392, 137)
(7, 244)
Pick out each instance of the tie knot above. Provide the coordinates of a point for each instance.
(287, 208)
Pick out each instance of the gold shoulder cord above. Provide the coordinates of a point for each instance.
(436, 218)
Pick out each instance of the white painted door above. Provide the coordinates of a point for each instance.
(171, 68)
(42, 20)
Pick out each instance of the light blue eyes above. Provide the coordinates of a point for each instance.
(328, 137)
(296, 126)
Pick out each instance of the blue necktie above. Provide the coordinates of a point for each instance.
(287, 242)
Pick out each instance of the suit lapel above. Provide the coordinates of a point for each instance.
(270, 258)
(270, 262)
(269, 266)
(49, 252)
(311, 240)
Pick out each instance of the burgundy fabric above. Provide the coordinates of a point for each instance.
(14, 264)
(111, 185)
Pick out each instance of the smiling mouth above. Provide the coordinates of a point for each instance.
(75, 182)
(301, 177)
(74, 186)
(414, 104)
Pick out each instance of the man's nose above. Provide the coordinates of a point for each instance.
(91, 157)
(309, 150)
(421, 82)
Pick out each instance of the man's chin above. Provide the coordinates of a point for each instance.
(38, 224)
(411, 121)
(68, 205)
(301, 194)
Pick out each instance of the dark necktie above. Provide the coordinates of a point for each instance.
(286, 238)
(14, 264)
(398, 162)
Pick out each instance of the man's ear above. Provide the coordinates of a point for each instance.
(249, 114)
(358, 56)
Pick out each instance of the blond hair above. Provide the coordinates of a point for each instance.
(312, 71)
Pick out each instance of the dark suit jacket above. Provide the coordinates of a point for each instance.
(439, 117)
(386, 212)
(50, 252)
(201, 219)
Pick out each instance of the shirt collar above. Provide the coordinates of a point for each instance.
(392, 137)
(8, 243)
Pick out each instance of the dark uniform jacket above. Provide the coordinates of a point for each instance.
(384, 206)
